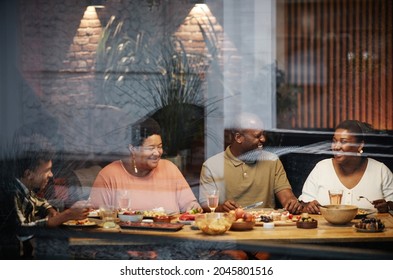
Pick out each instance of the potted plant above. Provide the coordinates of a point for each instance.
(161, 79)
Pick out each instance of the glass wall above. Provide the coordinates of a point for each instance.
(81, 74)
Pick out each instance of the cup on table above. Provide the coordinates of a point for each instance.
(212, 199)
(108, 215)
(335, 196)
(124, 203)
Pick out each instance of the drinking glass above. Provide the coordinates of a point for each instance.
(124, 201)
(335, 196)
(109, 215)
(212, 200)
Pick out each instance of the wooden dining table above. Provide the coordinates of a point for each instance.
(327, 241)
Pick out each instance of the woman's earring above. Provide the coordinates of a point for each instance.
(360, 151)
(135, 169)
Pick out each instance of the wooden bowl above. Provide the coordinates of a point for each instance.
(307, 225)
(242, 226)
(339, 214)
(162, 219)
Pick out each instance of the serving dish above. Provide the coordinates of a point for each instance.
(151, 226)
(363, 212)
(307, 224)
(79, 223)
(214, 223)
(130, 217)
(162, 219)
(278, 223)
(240, 226)
(339, 214)
(368, 230)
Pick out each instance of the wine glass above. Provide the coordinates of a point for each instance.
(124, 201)
(212, 200)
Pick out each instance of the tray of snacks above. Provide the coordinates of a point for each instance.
(306, 222)
(278, 217)
(369, 225)
(151, 226)
(80, 223)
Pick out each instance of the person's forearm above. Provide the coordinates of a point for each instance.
(60, 218)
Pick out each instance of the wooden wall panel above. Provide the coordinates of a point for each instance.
(340, 54)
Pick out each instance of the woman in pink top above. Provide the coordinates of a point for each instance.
(144, 178)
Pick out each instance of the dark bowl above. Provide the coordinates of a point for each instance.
(242, 226)
(307, 225)
(162, 219)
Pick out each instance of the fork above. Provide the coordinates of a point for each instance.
(364, 198)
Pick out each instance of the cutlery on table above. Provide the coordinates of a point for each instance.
(365, 198)
(251, 206)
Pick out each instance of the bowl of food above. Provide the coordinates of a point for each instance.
(242, 225)
(306, 222)
(214, 223)
(162, 219)
(339, 214)
(131, 216)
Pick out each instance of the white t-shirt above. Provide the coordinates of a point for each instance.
(376, 183)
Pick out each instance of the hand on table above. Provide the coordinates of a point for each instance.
(311, 207)
(79, 210)
(227, 206)
(381, 205)
(293, 206)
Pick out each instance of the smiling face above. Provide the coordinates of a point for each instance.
(345, 145)
(39, 177)
(251, 139)
(148, 154)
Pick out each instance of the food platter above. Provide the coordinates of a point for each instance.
(186, 219)
(79, 223)
(151, 226)
(368, 230)
(362, 212)
(279, 223)
(280, 217)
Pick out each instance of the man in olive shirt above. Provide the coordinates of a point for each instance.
(244, 173)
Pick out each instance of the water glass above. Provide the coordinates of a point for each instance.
(108, 215)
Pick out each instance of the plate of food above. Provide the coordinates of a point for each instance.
(369, 225)
(80, 223)
(369, 230)
(187, 218)
(150, 214)
(151, 226)
(279, 218)
(362, 212)
(307, 223)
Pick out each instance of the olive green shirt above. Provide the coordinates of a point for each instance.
(243, 182)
